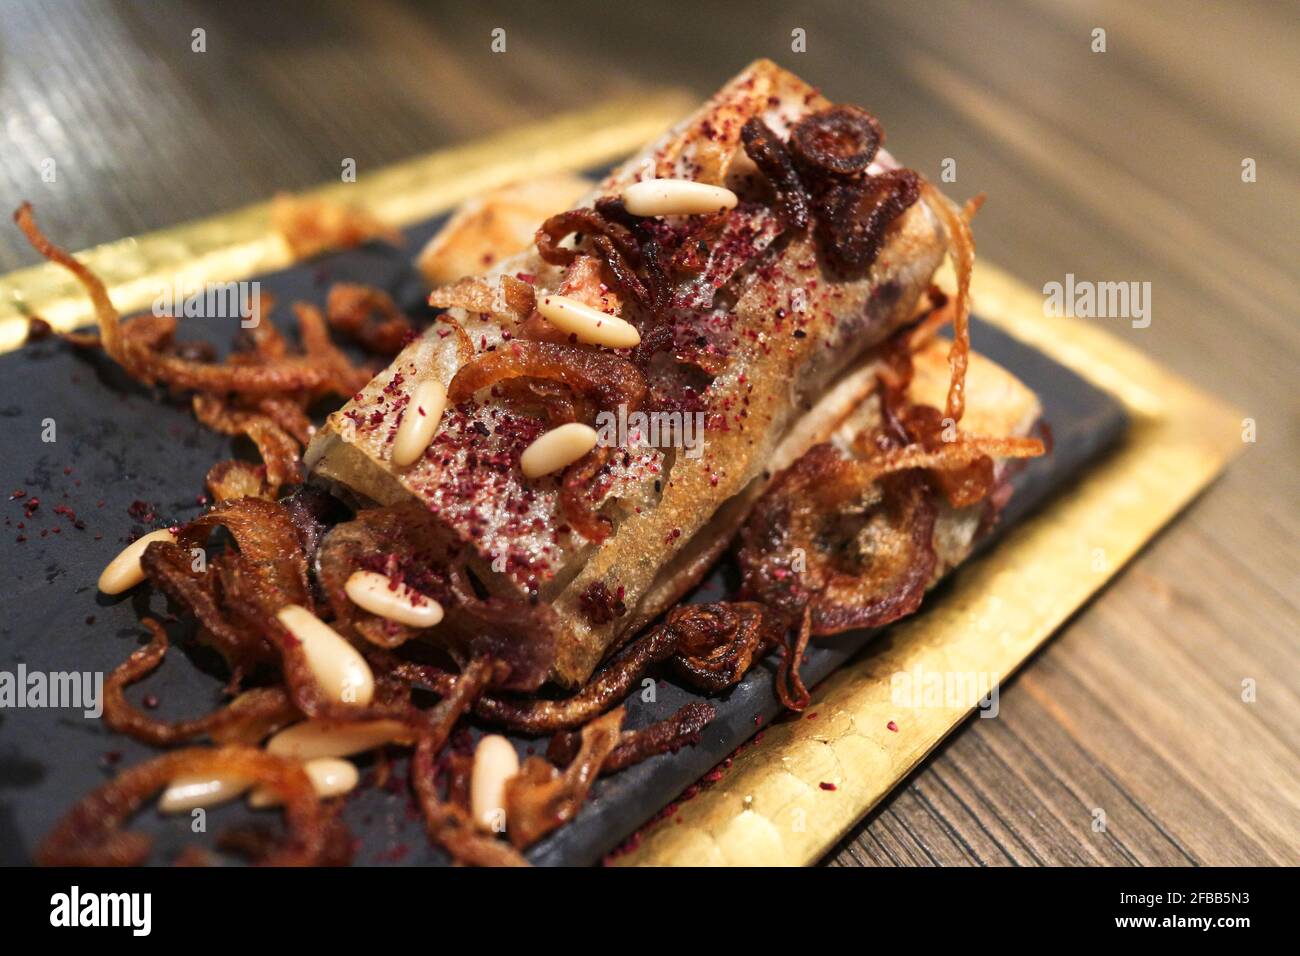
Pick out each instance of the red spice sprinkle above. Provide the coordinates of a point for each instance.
(827, 786)
(812, 716)
(892, 726)
(18, 493)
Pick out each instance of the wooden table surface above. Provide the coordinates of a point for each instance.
(1114, 166)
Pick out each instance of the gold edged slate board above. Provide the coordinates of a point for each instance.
(769, 807)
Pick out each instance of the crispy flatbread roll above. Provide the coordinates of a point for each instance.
(770, 346)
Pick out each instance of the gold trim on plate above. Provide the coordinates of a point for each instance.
(769, 807)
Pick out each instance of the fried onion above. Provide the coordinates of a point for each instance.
(607, 379)
(90, 833)
(719, 642)
(840, 141)
(835, 532)
(541, 798)
(538, 716)
(634, 746)
(773, 160)
(249, 718)
(505, 295)
(369, 317)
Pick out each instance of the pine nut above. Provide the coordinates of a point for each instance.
(124, 572)
(419, 422)
(329, 776)
(587, 324)
(676, 197)
(190, 793)
(495, 762)
(557, 448)
(338, 667)
(312, 739)
(392, 600)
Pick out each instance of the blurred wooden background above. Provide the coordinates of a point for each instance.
(1122, 165)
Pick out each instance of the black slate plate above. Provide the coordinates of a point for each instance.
(116, 445)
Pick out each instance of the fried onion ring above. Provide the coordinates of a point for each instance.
(835, 533)
(962, 249)
(840, 141)
(449, 824)
(141, 356)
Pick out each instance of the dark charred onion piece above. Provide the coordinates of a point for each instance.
(773, 160)
(607, 379)
(38, 329)
(369, 317)
(577, 496)
(542, 798)
(617, 247)
(448, 824)
(854, 215)
(538, 716)
(460, 774)
(866, 541)
(680, 730)
(789, 685)
(90, 833)
(249, 718)
(839, 141)
(719, 642)
(621, 270)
